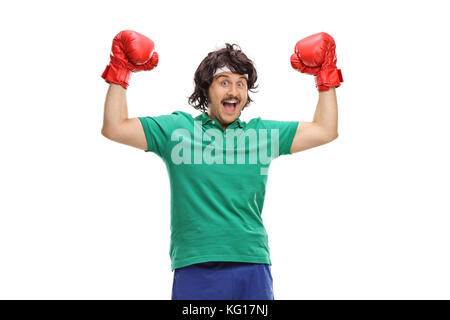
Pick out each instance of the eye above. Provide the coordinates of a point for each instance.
(224, 81)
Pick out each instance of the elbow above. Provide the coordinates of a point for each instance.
(336, 136)
(112, 131)
(104, 132)
(333, 137)
(107, 133)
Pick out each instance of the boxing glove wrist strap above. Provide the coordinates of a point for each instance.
(117, 72)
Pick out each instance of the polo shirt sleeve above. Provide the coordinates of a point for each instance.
(286, 133)
(158, 130)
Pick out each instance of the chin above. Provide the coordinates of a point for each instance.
(230, 117)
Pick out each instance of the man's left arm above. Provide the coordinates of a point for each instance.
(315, 55)
(324, 127)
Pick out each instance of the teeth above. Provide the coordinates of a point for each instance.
(231, 101)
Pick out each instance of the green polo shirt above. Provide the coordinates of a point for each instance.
(218, 182)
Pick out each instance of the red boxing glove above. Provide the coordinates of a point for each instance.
(316, 55)
(130, 52)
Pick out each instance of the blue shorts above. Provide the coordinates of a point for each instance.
(223, 281)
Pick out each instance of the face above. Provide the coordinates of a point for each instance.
(227, 97)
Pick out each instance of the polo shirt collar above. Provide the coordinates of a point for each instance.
(206, 120)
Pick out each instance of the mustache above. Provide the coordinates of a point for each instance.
(232, 98)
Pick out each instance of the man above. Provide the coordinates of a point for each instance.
(217, 163)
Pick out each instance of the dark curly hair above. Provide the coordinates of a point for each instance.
(232, 57)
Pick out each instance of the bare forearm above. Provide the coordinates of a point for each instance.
(327, 112)
(116, 110)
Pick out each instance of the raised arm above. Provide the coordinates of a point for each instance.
(116, 124)
(324, 127)
(131, 52)
(315, 55)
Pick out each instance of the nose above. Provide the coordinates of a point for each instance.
(232, 90)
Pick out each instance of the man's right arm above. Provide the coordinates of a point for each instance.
(130, 52)
(116, 124)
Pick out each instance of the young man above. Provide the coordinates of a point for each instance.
(217, 163)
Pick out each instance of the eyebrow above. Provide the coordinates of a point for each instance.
(224, 75)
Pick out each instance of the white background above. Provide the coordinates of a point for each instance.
(364, 217)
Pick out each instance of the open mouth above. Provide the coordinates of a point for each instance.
(230, 106)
